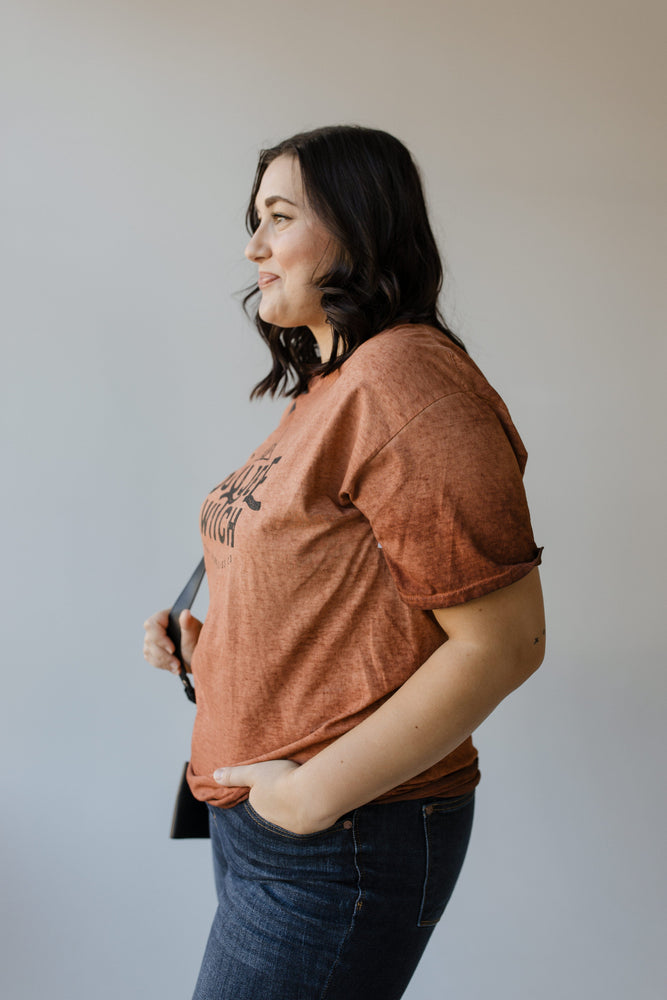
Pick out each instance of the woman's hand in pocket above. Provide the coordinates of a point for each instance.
(274, 793)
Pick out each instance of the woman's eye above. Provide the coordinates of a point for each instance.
(275, 216)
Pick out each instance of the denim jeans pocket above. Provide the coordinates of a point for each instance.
(279, 831)
(447, 823)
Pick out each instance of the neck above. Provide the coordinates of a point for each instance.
(324, 337)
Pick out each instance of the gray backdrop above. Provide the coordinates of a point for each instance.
(131, 130)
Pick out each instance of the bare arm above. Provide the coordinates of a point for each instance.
(494, 644)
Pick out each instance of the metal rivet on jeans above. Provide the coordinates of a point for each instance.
(347, 824)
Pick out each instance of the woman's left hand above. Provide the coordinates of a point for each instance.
(274, 793)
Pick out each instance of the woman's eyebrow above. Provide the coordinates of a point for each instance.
(277, 197)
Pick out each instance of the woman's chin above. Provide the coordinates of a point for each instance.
(272, 316)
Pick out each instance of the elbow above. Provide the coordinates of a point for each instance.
(535, 662)
(526, 628)
(530, 657)
(522, 657)
(538, 647)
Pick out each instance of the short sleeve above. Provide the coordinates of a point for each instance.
(446, 502)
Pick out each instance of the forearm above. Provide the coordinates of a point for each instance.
(426, 719)
(495, 642)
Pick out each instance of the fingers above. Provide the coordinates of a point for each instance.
(236, 777)
(190, 629)
(158, 647)
(248, 775)
(159, 620)
(189, 624)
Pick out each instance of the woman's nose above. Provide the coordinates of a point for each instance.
(256, 248)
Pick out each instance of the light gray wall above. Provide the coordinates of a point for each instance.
(131, 135)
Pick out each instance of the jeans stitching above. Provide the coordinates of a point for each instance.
(420, 922)
(443, 807)
(279, 831)
(355, 909)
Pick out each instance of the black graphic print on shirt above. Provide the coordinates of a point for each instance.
(237, 493)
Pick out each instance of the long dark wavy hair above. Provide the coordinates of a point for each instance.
(366, 190)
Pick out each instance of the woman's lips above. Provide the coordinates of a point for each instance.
(266, 279)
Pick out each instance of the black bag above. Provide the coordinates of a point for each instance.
(190, 817)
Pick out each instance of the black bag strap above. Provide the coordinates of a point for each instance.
(183, 602)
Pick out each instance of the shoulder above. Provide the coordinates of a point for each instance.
(415, 371)
(412, 365)
(399, 350)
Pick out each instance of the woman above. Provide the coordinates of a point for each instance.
(373, 592)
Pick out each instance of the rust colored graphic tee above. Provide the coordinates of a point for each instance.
(390, 488)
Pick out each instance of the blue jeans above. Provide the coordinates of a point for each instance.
(343, 914)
